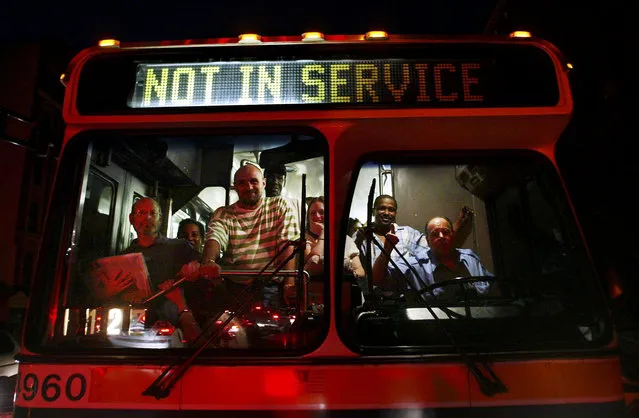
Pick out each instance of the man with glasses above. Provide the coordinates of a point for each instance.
(166, 260)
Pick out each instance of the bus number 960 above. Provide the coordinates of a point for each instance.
(52, 387)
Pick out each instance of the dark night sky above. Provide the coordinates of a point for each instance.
(82, 23)
(575, 27)
(597, 37)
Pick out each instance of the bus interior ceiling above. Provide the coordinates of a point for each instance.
(189, 175)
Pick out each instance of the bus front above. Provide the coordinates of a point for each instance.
(257, 226)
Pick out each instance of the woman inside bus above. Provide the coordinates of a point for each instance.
(314, 254)
(192, 231)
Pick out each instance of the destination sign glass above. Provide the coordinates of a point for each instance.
(318, 77)
(386, 82)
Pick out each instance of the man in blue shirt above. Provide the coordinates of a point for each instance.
(385, 211)
(438, 262)
(405, 237)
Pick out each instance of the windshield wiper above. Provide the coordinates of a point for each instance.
(489, 385)
(161, 387)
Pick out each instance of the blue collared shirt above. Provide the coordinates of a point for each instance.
(409, 239)
(424, 263)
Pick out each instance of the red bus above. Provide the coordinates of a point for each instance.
(439, 124)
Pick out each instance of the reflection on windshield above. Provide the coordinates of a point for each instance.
(486, 252)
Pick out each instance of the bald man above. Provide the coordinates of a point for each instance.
(438, 262)
(249, 233)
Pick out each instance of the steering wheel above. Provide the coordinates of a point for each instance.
(458, 282)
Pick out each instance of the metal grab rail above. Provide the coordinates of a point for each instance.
(266, 275)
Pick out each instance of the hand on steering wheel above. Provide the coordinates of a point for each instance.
(457, 282)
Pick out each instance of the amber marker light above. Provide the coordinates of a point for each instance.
(109, 43)
(250, 38)
(520, 34)
(312, 37)
(376, 35)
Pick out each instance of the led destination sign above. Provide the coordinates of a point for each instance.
(318, 77)
(344, 82)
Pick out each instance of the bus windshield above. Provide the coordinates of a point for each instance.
(486, 255)
(117, 189)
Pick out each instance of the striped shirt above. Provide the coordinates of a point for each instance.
(250, 238)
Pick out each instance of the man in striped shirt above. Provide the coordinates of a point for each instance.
(249, 233)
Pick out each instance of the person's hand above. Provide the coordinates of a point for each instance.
(465, 213)
(391, 238)
(191, 271)
(315, 259)
(317, 228)
(210, 271)
(118, 283)
(174, 295)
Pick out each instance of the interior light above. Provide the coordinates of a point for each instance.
(109, 43)
(250, 38)
(520, 34)
(376, 35)
(312, 36)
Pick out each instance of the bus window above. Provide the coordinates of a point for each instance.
(97, 217)
(193, 217)
(484, 253)
(112, 299)
(200, 208)
(131, 233)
